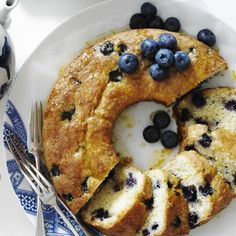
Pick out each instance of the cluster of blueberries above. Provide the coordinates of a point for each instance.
(160, 52)
(148, 18)
(152, 133)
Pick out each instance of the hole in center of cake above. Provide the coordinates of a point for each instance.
(127, 135)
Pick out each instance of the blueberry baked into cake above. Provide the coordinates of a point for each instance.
(218, 146)
(168, 209)
(151, 62)
(205, 120)
(204, 189)
(118, 207)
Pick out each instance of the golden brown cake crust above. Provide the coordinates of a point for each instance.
(80, 147)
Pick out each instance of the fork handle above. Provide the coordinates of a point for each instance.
(40, 230)
(68, 223)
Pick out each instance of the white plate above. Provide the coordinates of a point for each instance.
(39, 74)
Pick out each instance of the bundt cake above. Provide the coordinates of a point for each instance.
(89, 95)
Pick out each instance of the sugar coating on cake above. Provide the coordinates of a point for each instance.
(168, 210)
(118, 208)
(221, 151)
(206, 191)
(90, 94)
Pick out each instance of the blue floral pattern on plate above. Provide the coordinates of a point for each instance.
(54, 225)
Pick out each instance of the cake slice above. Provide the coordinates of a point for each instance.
(217, 146)
(168, 210)
(206, 191)
(118, 207)
(214, 107)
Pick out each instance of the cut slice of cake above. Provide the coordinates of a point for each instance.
(214, 107)
(118, 207)
(168, 210)
(206, 191)
(217, 146)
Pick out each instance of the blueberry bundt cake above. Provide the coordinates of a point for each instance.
(90, 94)
(206, 191)
(217, 146)
(168, 210)
(118, 208)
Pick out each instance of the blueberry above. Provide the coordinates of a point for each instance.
(157, 185)
(68, 197)
(230, 105)
(205, 140)
(182, 61)
(115, 76)
(107, 48)
(193, 218)
(145, 232)
(67, 115)
(169, 139)
(198, 100)
(185, 115)
(176, 222)
(167, 40)
(149, 203)
(149, 48)
(151, 134)
(84, 184)
(201, 121)
(161, 119)
(55, 171)
(156, 23)
(149, 10)
(169, 184)
(128, 63)
(138, 21)
(206, 190)
(190, 193)
(122, 48)
(101, 214)
(130, 181)
(164, 57)
(116, 187)
(172, 24)
(155, 226)
(206, 36)
(158, 73)
(189, 147)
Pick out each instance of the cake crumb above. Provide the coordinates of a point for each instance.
(128, 121)
(234, 74)
(142, 145)
(161, 157)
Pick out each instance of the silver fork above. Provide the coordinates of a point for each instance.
(39, 183)
(34, 144)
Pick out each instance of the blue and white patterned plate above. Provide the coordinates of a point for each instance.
(40, 71)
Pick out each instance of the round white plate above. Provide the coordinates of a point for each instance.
(39, 74)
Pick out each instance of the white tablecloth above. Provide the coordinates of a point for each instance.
(32, 20)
